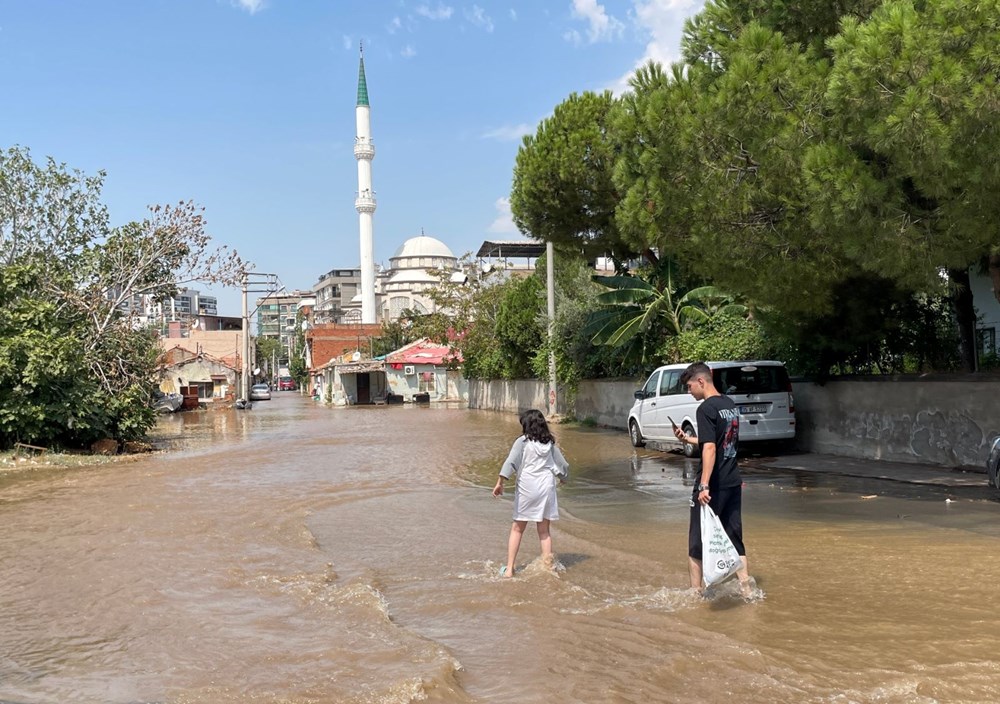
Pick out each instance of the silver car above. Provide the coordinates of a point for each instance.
(993, 464)
(260, 392)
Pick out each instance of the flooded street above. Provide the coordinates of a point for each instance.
(295, 553)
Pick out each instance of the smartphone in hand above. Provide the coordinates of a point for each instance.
(672, 423)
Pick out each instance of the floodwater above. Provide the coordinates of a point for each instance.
(294, 553)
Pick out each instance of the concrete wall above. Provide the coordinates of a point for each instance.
(938, 422)
(607, 402)
(511, 396)
(948, 423)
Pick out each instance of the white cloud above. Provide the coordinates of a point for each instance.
(504, 223)
(394, 25)
(513, 14)
(573, 37)
(441, 12)
(479, 18)
(251, 6)
(663, 22)
(408, 52)
(348, 42)
(509, 133)
(602, 26)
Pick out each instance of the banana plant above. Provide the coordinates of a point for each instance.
(632, 305)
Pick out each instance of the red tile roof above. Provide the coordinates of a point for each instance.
(424, 352)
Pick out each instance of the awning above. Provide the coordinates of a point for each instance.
(364, 367)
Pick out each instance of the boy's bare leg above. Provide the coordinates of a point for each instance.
(744, 576)
(513, 543)
(545, 540)
(694, 570)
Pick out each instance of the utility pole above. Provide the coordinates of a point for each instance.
(245, 376)
(551, 286)
(253, 282)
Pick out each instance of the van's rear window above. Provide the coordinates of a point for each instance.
(749, 379)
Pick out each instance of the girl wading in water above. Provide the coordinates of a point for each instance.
(539, 465)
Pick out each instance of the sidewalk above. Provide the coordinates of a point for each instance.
(872, 469)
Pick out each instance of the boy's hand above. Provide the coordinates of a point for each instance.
(498, 489)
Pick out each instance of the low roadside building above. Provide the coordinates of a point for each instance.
(425, 367)
(197, 373)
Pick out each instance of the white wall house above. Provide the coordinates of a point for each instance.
(424, 367)
(988, 313)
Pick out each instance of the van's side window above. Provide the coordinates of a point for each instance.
(650, 387)
(670, 384)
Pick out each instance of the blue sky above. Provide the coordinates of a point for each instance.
(247, 108)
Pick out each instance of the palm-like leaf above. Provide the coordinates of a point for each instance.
(632, 305)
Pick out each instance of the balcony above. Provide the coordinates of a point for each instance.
(365, 202)
(364, 150)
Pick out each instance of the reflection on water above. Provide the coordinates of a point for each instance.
(294, 553)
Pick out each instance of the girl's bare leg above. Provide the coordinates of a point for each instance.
(513, 543)
(545, 540)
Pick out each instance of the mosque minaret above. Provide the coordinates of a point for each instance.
(364, 152)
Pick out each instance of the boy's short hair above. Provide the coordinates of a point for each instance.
(694, 370)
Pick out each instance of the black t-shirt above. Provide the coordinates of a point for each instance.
(719, 422)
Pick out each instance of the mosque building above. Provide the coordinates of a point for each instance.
(405, 284)
(383, 294)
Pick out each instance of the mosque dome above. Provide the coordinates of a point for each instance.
(423, 246)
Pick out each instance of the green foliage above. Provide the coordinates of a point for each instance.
(268, 351)
(397, 333)
(637, 313)
(576, 356)
(48, 393)
(519, 325)
(808, 23)
(876, 327)
(724, 336)
(563, 191)
(74, 364)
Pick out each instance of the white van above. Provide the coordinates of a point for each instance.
(760, 389)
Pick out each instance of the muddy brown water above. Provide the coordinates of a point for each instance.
(300, 554)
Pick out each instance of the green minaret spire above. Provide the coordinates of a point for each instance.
(362, 84)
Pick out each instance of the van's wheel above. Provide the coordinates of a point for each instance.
(689, 449)
(635, 435)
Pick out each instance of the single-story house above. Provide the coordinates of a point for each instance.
(350, 380)
(425, 367)
(215, 379)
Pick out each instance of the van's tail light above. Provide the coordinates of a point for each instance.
(791, 398)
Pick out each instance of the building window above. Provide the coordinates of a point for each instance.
(205, 389)
(426, 382)
(987, 340)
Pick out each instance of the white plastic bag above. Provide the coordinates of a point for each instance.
(719, 559)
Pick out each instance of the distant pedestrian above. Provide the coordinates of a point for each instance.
(720, 484)
(539, 465)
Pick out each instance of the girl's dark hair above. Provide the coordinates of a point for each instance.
(534, 426)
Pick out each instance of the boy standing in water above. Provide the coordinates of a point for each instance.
(720, 485)
(539, 465)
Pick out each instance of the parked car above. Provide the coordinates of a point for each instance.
(761, 390)
(993, 464)
(286, 383)
(260, 392)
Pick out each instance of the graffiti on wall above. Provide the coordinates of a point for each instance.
(933, 436)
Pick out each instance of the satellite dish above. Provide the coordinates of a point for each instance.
(194, 325)
(305, 324)
(256, 371)
(355, 357)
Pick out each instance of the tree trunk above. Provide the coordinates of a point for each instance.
(965, 314)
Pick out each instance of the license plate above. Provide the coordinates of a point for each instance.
(759, 408)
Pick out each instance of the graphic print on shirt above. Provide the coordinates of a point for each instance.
(732, 436)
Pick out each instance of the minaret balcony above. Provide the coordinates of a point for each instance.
(364, 150)
(365, 203)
